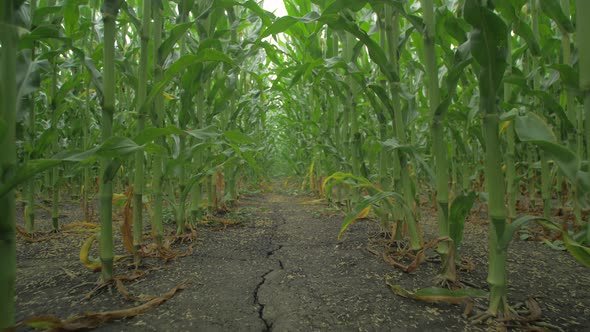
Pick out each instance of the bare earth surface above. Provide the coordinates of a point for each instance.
(283, 269)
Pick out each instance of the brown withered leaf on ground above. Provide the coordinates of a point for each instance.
(94, 319)
(36, 236)
(417, 259)
(535, 313)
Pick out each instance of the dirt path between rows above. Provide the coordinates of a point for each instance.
(285, 270)
(281, 269)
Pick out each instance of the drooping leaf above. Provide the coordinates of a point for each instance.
(532, 129)
(149, 134)
(460, 208)
(362, 208)
(238, 137)
(578, 250)
(174, 35)
(204, 133)
(117, 146)
(362, 214)
(26, 172)
(43, 33)
(488, 44)
(285, 22)
(518, 24)
(436, 294)
(91, 263)
(183, 63)
(376, 53)
(552, 8)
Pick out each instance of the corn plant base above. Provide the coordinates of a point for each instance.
(283, 262)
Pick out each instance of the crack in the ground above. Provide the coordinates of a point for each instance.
(267, 324)
(272, 252)
(273, 249)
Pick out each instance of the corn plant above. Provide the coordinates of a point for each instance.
(8, 160)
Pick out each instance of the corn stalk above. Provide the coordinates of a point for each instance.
(8, 39)
(110, 10)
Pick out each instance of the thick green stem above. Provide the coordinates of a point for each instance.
(110, 11)
(30, 187)
(55, 198)
(497, 211)
(55, 170)
(158, 162)
(405, 184)
(350, 119)
(138, 182)
(545, 170)
(8, 39)
(546, 186)
(570, 109)
(439, 143)
(86, 139)
(197, 189)
(185, 106)
(511, 185)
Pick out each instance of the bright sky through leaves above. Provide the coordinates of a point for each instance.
(275, 6)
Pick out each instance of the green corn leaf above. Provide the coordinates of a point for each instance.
(26, 172)
(578, 250)
(238, 137)
(176, 33)
(117, 146)
(130, 12)
(488, 44)
(95, 75)
(436, 294)
(29, 79)
(41, 33)
(532, 129)
(44, 14)
(183, 63)
(149, 134)
(411, 152)
(71, 15)
(523, 29)
(568, 76)
(509, 8)
(460, 208)
(155, 149)
(376, 53)
(285, 22)
(512, 228)
(66, 88)
(552, 8)
(255, 8)
(338, 5)
(361, 206)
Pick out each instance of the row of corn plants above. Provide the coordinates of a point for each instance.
(463, 99)
(164, 99)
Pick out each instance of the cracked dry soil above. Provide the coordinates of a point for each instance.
(283, 269)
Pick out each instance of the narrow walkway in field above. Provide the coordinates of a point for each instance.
(283, 269)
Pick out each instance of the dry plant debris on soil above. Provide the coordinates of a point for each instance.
(275, 263)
